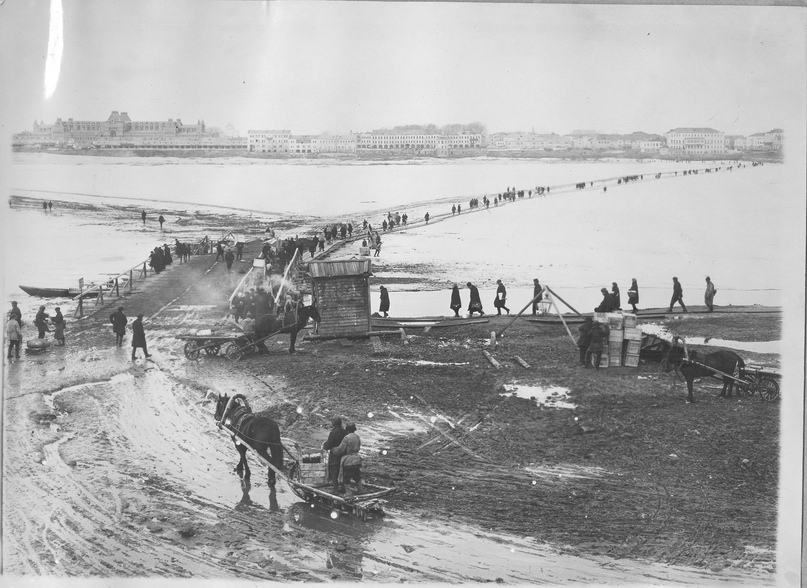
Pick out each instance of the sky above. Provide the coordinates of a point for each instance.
(312, 67)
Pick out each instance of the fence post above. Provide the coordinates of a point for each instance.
(100, 299)
(143, 273)
(117, 288)
(81, 298)
(131, 276)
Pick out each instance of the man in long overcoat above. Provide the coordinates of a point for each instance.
(41, 322)
(118, 320)
(384, 307)
(139, 337)
(456, 301)
(475, 304)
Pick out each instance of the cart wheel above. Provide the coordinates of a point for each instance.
(233, 352)
(769, 389)
(213, 349)
(192, 350)
(746, 387)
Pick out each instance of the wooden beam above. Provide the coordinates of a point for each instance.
(519, 314)
(521, 362)
(562, 300)
(492, 360)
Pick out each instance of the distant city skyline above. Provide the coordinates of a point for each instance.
(338, 67)
(222, 127)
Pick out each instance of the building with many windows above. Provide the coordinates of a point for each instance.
(416, 141)
(335, 143)
(695, 141)
(120, 131)
(264, 141)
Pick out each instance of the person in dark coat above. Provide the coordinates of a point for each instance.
(167, 255)
(15, 312)
(596, 335)
(384, 307)
(584, 339)
(633, 294)
(155, 262)
(332, 442)
(139, 337)
(501, 298)
(456, 301)
(118, 320)
(537, 294)
(219, 251)
(607, 304)
(239, 251)
(58, 323)
(677, 296)
(475, 304)
(143, 216)
(228, 259)
(41, 322)
(616, 296)
(162, 220)
(312, 246)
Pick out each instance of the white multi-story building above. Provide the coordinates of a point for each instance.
(263, 141)
(335, 143)
(774, 139)
(417, 141)
(695, 141)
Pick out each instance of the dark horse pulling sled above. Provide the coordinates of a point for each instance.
(722, 364)
(308, 473)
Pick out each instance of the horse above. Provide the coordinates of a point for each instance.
(269, 324)
(260, 432)
(724, 361)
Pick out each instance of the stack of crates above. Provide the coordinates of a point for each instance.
(615, 338)
(624, 339)
(633, 341)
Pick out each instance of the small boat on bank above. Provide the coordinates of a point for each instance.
(55, 292)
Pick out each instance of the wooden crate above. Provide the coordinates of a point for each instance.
(604, 360)
(615, 335)
(630, 320)
(615, 360)
(615, 321)
(632, 360)
(633, 348)
(633, 334)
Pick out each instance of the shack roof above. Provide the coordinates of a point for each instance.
(333, 268)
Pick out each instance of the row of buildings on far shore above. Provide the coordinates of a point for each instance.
(119, 131)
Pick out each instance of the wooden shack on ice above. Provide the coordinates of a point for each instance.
(341, 292)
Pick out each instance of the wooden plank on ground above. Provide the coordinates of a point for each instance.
(492, 360)
(345, 342)
(521, 362)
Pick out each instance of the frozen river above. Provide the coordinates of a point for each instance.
(732, 225)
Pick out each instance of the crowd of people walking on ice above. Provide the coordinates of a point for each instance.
(248, 305)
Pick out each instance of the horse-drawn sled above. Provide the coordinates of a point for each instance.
(308, 472)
